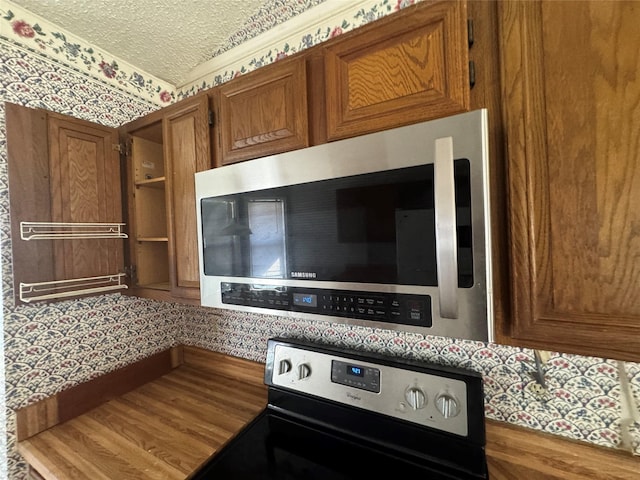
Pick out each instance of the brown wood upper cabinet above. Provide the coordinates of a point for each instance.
(65, 170)
(165, 149)
(186, 134)
(570, 91)
(408, 67)
(263, 112)
(64, 174)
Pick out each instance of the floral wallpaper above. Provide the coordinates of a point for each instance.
(361, 14)
(50, 347)
(23, 28)
(581, 401)
(36, 34)
(271, 14)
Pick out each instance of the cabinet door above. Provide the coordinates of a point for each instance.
(186, 151)
(409, 67)
(263, 112)
(85, 187)
(62, 170)
(571, 94)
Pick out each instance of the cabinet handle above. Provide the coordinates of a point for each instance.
(446, 236)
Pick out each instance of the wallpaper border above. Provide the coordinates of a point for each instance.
(43, 38)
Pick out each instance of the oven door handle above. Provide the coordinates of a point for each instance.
(446, 236)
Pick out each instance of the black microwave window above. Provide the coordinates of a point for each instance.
(370, 228)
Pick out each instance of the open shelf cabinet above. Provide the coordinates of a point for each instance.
(148, 208)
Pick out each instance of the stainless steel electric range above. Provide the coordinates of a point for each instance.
(336, 414)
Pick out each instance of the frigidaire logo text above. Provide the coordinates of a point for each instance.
(353, 397)
(303, 274)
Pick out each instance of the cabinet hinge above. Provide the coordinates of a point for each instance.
(470, 38)
(472, 73)
(211, 118)
(122, 148)
(131, 272)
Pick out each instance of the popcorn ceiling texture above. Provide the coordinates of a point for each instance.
(163, 37)
(51, 347)
(31, 31)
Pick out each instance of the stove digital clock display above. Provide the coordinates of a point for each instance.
(356, 376)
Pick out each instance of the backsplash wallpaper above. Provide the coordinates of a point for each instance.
(582, 399)
(48, 348)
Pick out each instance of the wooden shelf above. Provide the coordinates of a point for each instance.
(148, 157)
(150, 212)
(152, 239)
(157, 182)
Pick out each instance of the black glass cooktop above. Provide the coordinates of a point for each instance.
(280, 448)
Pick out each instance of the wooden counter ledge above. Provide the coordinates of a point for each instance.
(164, 429)
(169, 425)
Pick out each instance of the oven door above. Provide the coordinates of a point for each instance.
(279, 447)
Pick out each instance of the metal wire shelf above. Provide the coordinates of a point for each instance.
(32, 292)
(66, 230)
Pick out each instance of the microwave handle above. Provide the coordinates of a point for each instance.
(446, 236)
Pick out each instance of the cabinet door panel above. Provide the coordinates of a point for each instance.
(410, 67)
(264, 113)
(571, 94)
(186, 135)
(62, 169)
(28, 165)
(85, 188)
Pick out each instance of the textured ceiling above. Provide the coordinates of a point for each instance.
(163, 37)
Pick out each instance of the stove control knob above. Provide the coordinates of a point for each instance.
(284, 367)
(415, 397)
(447, 405)
(304, 370)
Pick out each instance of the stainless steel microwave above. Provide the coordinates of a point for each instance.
(387, 230)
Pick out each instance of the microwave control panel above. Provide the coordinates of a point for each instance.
(376, 306)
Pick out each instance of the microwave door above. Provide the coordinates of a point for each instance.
(267, 242)
(396, 219)
(445, 220)
(224, 237)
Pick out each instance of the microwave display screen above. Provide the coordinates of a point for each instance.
(305, 300)
(373, 228)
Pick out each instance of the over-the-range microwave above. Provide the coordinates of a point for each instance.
(388, 230)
